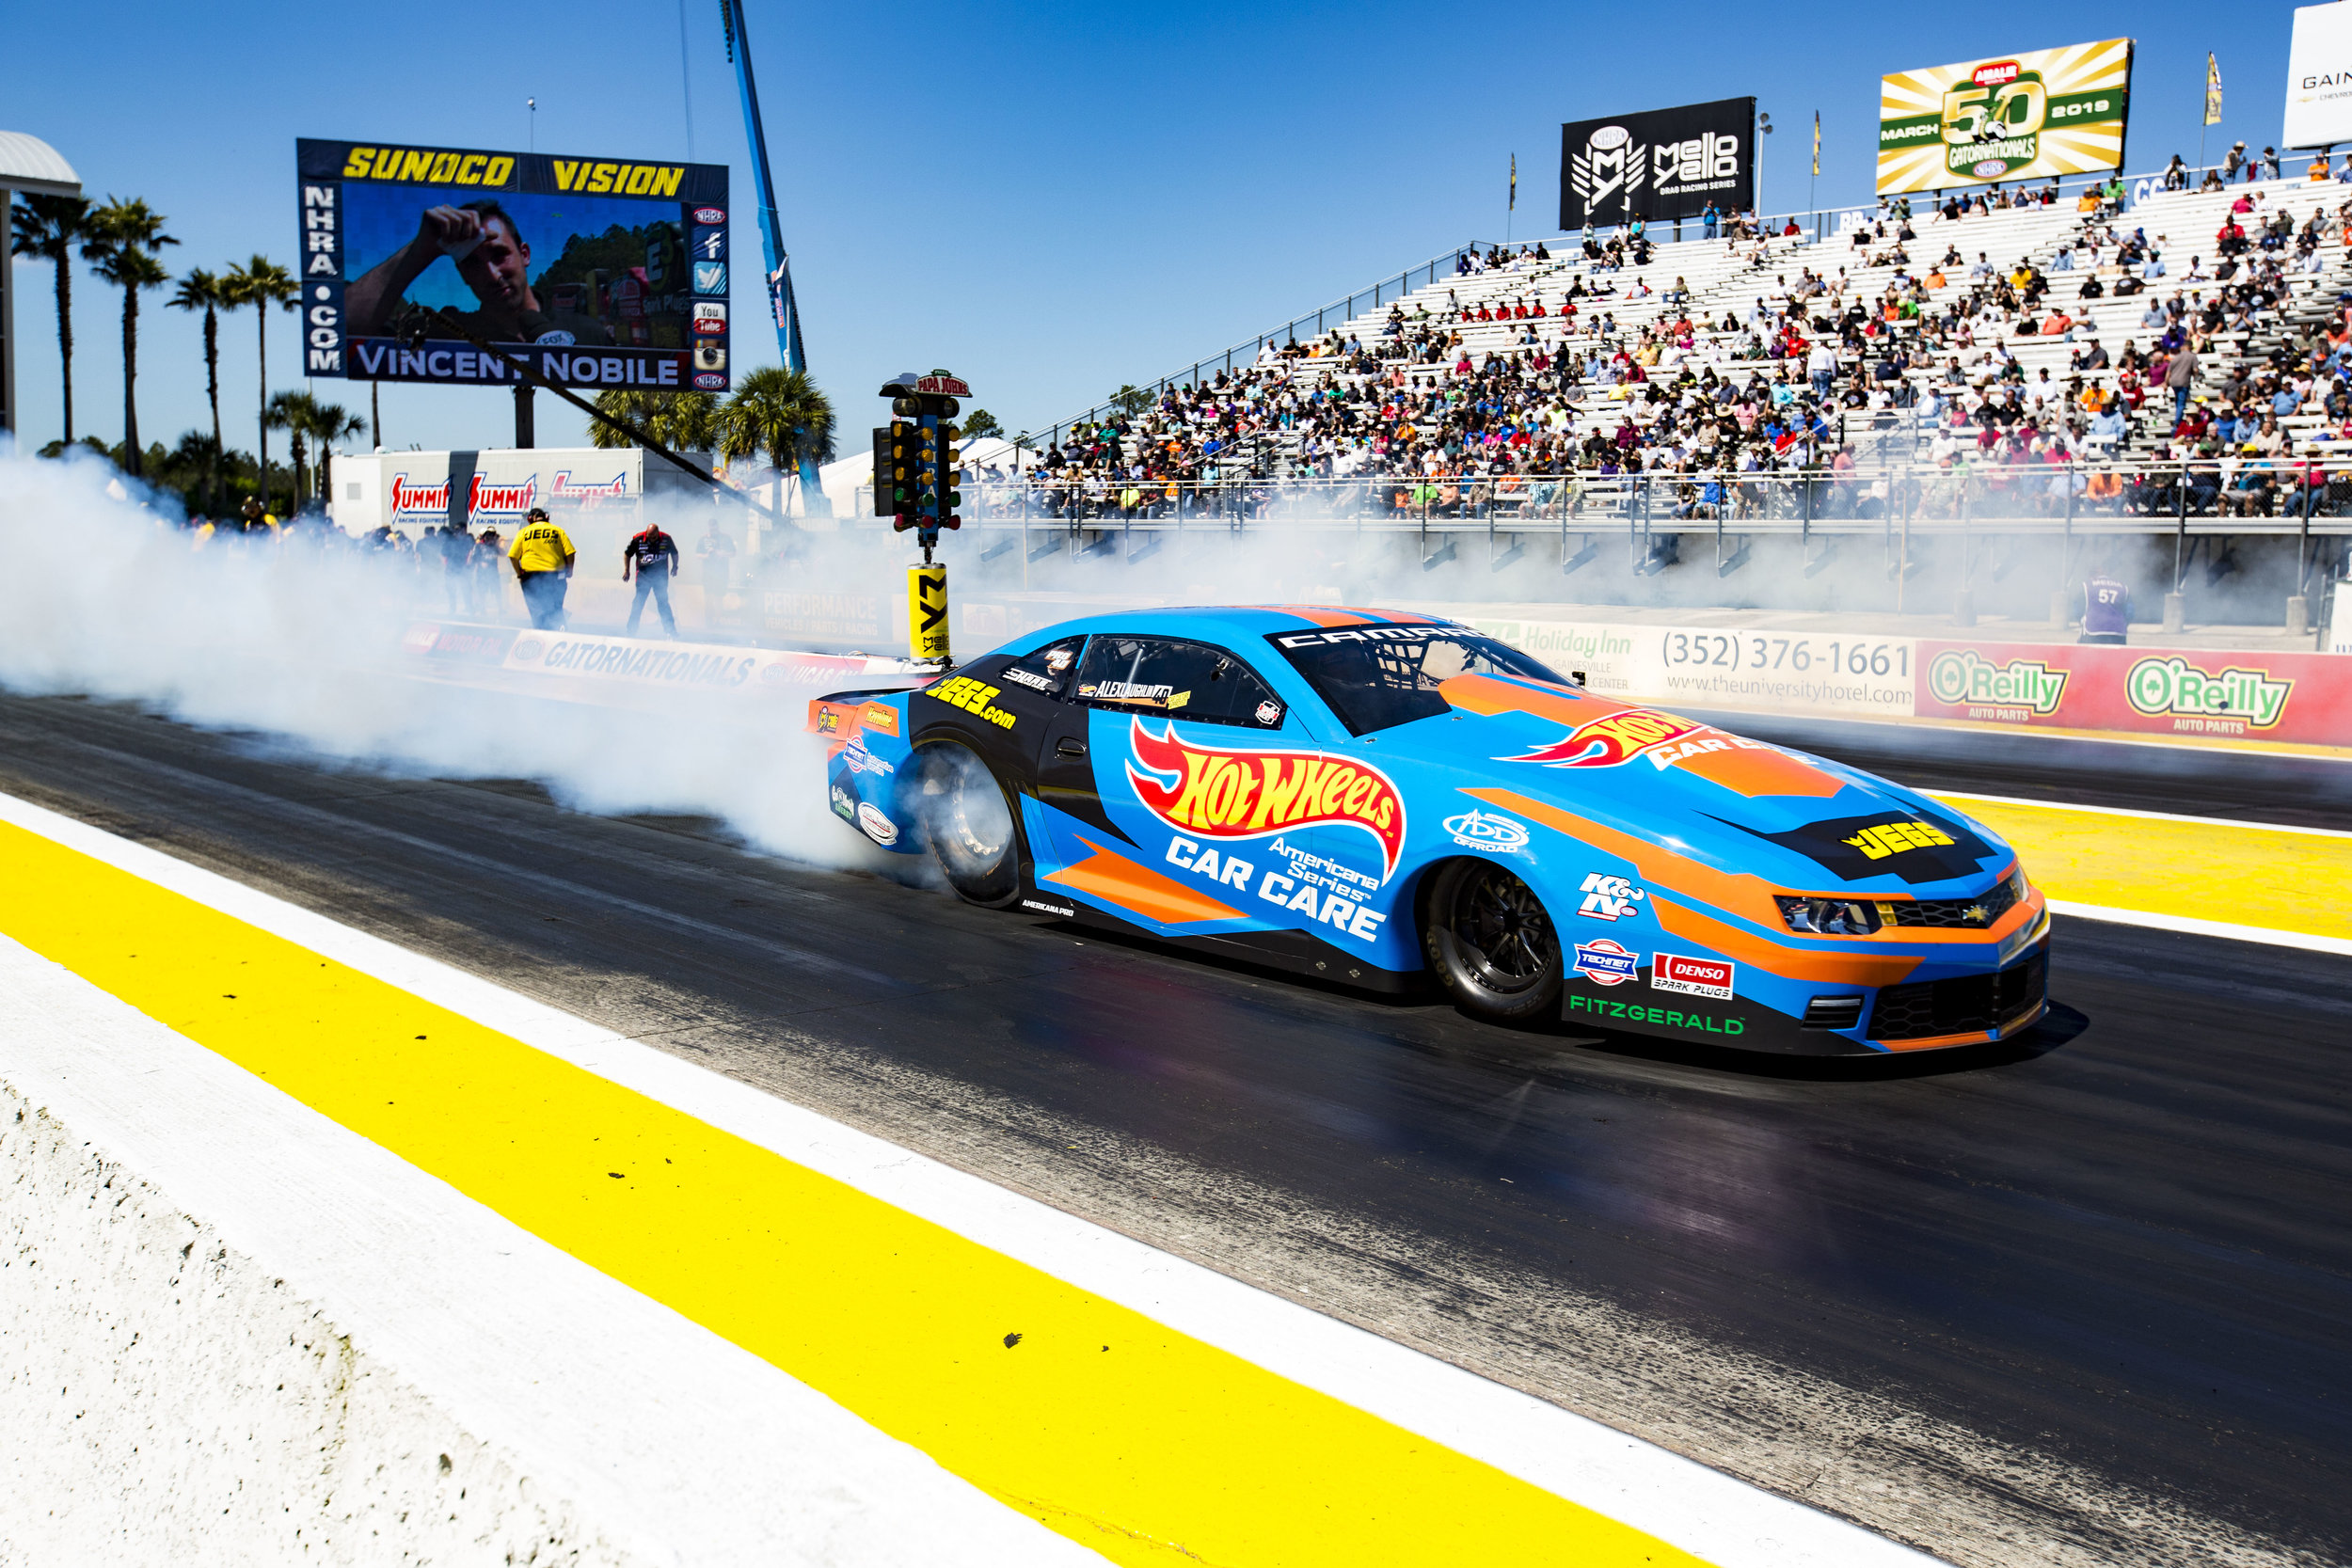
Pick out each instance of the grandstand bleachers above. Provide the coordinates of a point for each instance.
(1426, 389)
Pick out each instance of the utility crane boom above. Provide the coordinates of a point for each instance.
(780, 305)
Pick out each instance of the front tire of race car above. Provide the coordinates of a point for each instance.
(970, 820)
(1491, 943)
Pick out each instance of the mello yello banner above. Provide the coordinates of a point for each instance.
(2224, 692)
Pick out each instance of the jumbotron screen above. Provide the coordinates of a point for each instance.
(594, 271)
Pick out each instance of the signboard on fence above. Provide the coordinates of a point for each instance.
(1660, 164)
(2319, 77)
(2232, 693)
(594, 271)
(2033, 116)
(1857, 675)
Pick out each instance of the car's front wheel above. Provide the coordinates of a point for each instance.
(968, 818)
(1491, 943)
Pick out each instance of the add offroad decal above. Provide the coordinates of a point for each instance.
(1217, 793)
(1917, 846)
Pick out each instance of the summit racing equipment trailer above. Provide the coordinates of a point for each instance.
(1365, 795)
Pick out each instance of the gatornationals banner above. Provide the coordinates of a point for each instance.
(2032, 116)
(2231, 693)
(1659, 165)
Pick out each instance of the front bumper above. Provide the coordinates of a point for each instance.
(1922, 1015)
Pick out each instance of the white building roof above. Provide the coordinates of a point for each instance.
(30, 163)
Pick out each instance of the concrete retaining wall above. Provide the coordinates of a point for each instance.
(169, 1401)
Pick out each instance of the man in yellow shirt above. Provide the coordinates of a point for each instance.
(542, 557)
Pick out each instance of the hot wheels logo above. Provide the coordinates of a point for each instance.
(1611, 739)
(1238, 794)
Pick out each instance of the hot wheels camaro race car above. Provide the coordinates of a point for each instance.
(1366, 796)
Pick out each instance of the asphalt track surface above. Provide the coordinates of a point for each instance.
(2085, 1297)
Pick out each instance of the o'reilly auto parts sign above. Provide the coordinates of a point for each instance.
(1662, 164)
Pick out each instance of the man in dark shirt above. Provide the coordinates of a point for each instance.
(491, 255)
(652, 556)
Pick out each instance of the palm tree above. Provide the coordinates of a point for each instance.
(296, 413)
(49, 227)
(690, 422)
(781, 415)
(331, 422)
(638, 408)
(315, 426)
(203, 291)
(683, 422)
(261, 283)
(121, 244)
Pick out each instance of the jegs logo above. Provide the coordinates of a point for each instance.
(1250, 794)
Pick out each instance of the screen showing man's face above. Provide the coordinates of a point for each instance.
(498, 269)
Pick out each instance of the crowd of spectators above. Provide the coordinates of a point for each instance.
(1530, 373)
(462, 566)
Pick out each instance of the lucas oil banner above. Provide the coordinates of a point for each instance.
(1660, 164)
(2033, 116)
(594, 271)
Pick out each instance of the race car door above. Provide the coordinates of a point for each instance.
(1139, 704)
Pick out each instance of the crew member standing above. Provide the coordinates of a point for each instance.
(482, 573)
(542, 557)
(2106, 608)
(653, 554)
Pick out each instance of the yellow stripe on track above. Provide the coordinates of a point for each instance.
(1142, 1443)
(2244, 874)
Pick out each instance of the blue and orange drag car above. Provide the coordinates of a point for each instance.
(1369, 798)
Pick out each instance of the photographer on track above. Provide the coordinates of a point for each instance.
(542, 556)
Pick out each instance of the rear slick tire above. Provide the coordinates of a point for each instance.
(971, 825)
(1491, 944)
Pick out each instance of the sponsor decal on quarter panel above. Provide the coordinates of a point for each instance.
(1253, 794)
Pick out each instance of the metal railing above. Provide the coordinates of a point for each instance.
(2199, 505)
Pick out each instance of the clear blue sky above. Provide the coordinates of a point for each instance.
(1048, 200)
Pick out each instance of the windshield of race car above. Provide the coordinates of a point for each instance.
(1378, 678)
